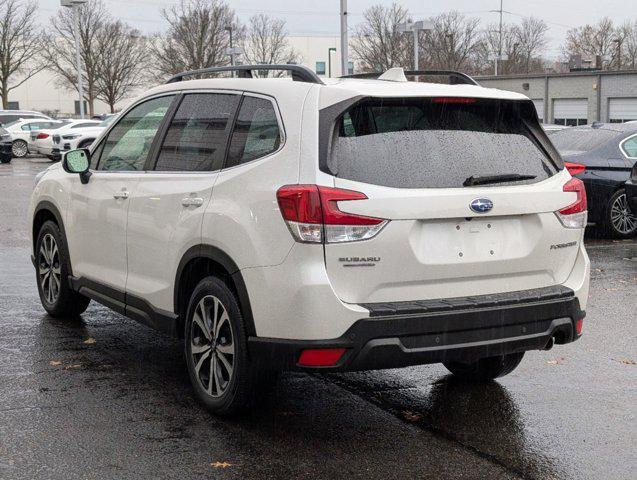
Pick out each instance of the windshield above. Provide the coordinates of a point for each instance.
(581, 140)
(436, 142)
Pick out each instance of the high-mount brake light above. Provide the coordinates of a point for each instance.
(462, 100)
(574, 168)
(312, 215)
(575, 215)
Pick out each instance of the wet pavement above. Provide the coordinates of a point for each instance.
(103, 397)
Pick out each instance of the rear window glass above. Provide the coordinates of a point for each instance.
(436, 143)
(581, 139)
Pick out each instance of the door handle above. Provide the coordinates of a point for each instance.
(123, 194)
(192, 201)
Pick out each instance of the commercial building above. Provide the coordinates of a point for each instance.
(575, 98)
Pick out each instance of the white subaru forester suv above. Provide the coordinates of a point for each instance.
(320, 225)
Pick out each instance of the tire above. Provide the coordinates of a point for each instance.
(85, 144)
(620, 221)
(4, 159)
(485, 369)
(19, 149)
(52, 271)
(228, 391)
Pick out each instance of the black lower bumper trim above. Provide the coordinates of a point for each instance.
(463, 333)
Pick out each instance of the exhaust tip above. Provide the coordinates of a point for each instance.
(549, 344)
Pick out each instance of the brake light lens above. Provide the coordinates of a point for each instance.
(579, 325)
(574, 215)
(574, 168)
(320, 357)
(42, 135)
(312, 215)
(456, 100)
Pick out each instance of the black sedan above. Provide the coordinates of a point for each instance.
(6, 145)
(602, 155)
(631, 189)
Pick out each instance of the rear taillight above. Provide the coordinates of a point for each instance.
(575, 215)
(42, 136)
(311, 213)
(574, 168)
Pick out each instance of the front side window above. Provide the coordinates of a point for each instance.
(256, 132)
(196, 138)
(127, 145)
(629, 147)
(437, 142)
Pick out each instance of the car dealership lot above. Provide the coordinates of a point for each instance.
(104, 397)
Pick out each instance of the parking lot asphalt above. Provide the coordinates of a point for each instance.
(103, 397)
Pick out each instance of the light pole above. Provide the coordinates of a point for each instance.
(329, 61)
(74, 5)
(415, 28)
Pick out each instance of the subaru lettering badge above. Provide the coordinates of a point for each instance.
(481, 205)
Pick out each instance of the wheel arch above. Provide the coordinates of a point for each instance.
(199, 262)
(43, 212)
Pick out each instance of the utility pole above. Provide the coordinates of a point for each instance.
(74, 5)
(500, 42)
(414, 28)
(344, 51)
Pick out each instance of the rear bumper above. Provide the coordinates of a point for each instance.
(631, 195)
(411, 333)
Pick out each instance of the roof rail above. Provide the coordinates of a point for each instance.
(299, 73)
(455, 78)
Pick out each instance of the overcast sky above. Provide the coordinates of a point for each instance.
(306, 17)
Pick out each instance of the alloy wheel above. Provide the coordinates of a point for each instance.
(49, 268)
(19, 149)
(622, 218)
(212, 346)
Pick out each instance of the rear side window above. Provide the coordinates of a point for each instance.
(256, 132)
(436, 142)
(196, 138)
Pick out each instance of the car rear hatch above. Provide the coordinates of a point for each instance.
(464, 193)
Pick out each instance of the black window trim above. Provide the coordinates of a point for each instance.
(163, 131)
(279, 119)
(96, 145)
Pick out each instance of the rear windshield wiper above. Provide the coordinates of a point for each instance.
(507, 177)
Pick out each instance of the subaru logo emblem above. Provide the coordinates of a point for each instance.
(481, 205)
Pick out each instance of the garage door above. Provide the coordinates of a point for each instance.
(539, 107)
(570, 111)
(622, 109)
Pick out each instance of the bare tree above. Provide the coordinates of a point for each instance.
(628, 44)
(121, 65)
(60, 48)
(197, 36)
(266, 42)
(20, 44)
(453, 43)
(378, 44)
(592, 40)
(523, 44)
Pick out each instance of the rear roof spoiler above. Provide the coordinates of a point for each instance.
(299, 73)
(454, 78)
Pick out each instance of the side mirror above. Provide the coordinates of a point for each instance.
(78, 161)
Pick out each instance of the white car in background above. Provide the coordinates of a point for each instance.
(82, 138)
(20, 131)
(44, 138)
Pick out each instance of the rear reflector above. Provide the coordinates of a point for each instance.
(575, 215)
(579, 324)
(311, 213)
(320, 357)
(574, 168)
